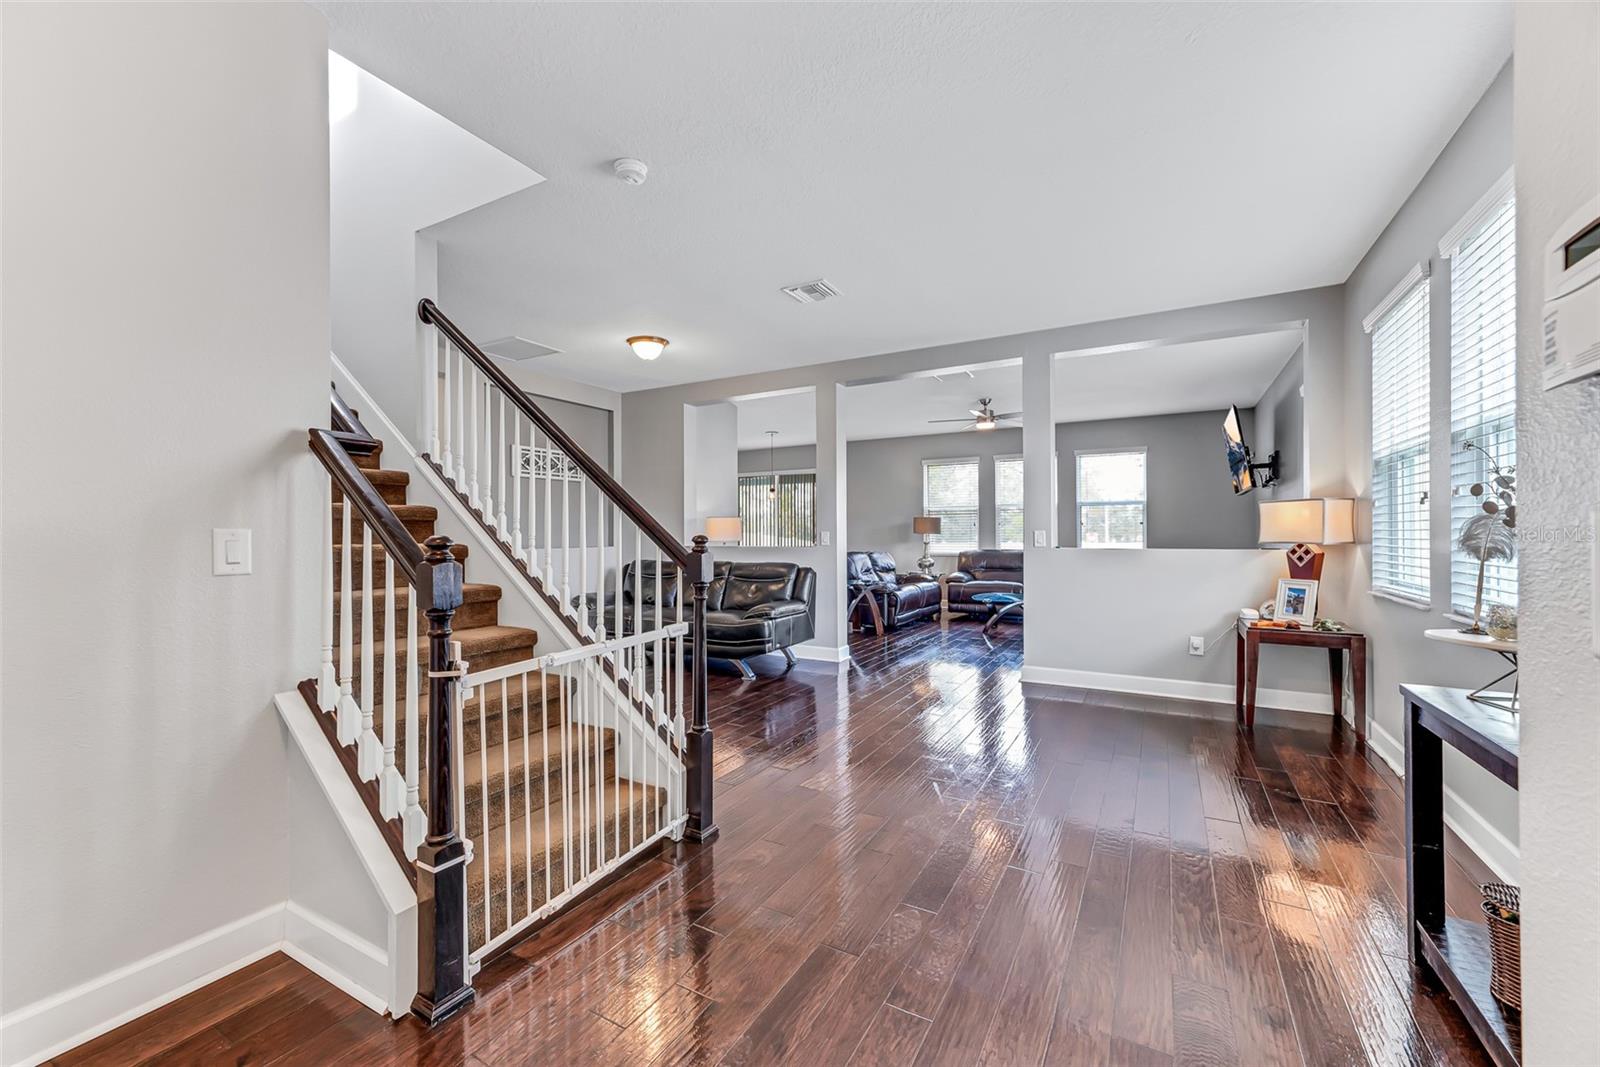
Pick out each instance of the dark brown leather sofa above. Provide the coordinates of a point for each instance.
(902, 598)
(984, 571)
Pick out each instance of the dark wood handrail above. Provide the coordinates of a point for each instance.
(429, 312)
(391, 532)
(346, 420)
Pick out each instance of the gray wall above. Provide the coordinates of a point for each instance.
(1280, 424)
(1558, 453)
(1189, 497)
(1190, 501)
(885, 487)
(790, 458)
(1474, 159)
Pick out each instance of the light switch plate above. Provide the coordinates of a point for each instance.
(827, 538)
(230, 552)
(1039, 538)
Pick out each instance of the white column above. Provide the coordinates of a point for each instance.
(1038, 450)
(831, 486)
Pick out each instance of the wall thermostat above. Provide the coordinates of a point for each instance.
(1572, 299)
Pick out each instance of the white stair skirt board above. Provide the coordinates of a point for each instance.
(1498, 852)
(821, 653)
(384, 979)
(1179, 688)
(339, 957)
(36, 1032)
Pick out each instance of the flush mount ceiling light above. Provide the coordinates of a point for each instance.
(646, 347)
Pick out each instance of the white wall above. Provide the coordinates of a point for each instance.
(165, 283)
(1279, 426)
(1475, 158)
(1558, 451)
(398, 168)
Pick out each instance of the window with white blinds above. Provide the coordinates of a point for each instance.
(1111, 499)
(950, 492)
(1008, 501)
(1483, 387)
(1400, 546)
(786, 518)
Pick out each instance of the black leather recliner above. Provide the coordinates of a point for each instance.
(984, 571)
(751, 608)
(902, 598)
(756, 608)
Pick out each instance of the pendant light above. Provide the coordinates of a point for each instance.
(772, 467)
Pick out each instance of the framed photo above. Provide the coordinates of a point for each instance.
(1296, 602)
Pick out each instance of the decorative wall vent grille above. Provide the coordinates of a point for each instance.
(548, 463)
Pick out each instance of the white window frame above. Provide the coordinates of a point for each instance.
(1483, 374)
(939, 541)
(1078, 502)
(1020, 507)
(1400, 353)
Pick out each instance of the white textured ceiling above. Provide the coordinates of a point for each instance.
(1162, 379)
(959, 171)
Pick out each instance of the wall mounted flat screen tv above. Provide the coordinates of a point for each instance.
(1238, 453)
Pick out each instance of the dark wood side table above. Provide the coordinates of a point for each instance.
(1248, 640)
(1455, 950)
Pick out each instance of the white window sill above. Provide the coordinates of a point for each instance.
(1405, 601)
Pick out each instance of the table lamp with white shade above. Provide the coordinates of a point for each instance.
(724, 530)
(1303, 527)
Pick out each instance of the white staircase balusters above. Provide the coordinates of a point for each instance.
(566, 539)
(583, 556)
(391, 786)
(328, 678)
(488, 452)
(458, 425)
(502, 459)
(430, 393)
(549, 558)
(473, 400)
(348, 723)
(369, 753)
(516, 484)
(414, 823)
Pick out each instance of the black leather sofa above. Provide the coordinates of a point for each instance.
(751, 608)
(902, 598)
(984, 571)
(756, 608)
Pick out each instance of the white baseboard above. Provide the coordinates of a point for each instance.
(1497, 851)
(822, 653)
(338, 956)
(1180, 688)
(48, 1027)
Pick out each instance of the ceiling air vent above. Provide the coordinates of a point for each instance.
(519, 348)
(811, 292)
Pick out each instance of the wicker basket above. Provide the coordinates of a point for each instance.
(1502, 907)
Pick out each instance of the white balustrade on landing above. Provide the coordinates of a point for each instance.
(609, 769)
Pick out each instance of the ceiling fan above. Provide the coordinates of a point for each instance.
(985, 417)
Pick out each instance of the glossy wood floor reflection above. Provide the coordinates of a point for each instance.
(920, 865)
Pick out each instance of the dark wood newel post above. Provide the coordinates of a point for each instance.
(442, 986)
(702, 821)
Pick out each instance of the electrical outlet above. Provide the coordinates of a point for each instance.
(1197, 645)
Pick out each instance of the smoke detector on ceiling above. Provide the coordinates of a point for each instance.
(631, 171)
(811, 292)
(518, 349)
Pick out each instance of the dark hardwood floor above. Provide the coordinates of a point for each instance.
(920, 865)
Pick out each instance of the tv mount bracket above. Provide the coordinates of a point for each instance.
(1269, 470)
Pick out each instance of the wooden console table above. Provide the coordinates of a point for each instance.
(1455, 950)
(1248, 640)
